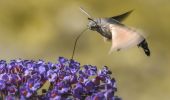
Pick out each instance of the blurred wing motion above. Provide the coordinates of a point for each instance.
(122, 17)
(123, 37)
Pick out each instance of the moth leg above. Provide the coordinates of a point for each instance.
(106, 39)
(118, 49)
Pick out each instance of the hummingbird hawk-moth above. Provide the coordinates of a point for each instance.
(112, 29)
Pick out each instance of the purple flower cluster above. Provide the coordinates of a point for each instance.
(21, 79)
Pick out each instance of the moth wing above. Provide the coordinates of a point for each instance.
(123, 37)
(122, 17)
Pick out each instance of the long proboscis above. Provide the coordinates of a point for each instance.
(75, 43)
(81, 33)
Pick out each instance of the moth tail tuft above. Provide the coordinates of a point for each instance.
(144, 46)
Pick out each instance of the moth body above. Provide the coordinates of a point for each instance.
(122, 37)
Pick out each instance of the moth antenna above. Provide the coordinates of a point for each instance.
(93, 21)
(75, 43)
(89, 17)
(82, 10)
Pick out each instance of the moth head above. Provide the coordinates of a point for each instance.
(92, 25)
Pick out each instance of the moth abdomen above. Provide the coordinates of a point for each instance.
(144, 46)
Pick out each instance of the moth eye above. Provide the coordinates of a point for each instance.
(93, 27)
